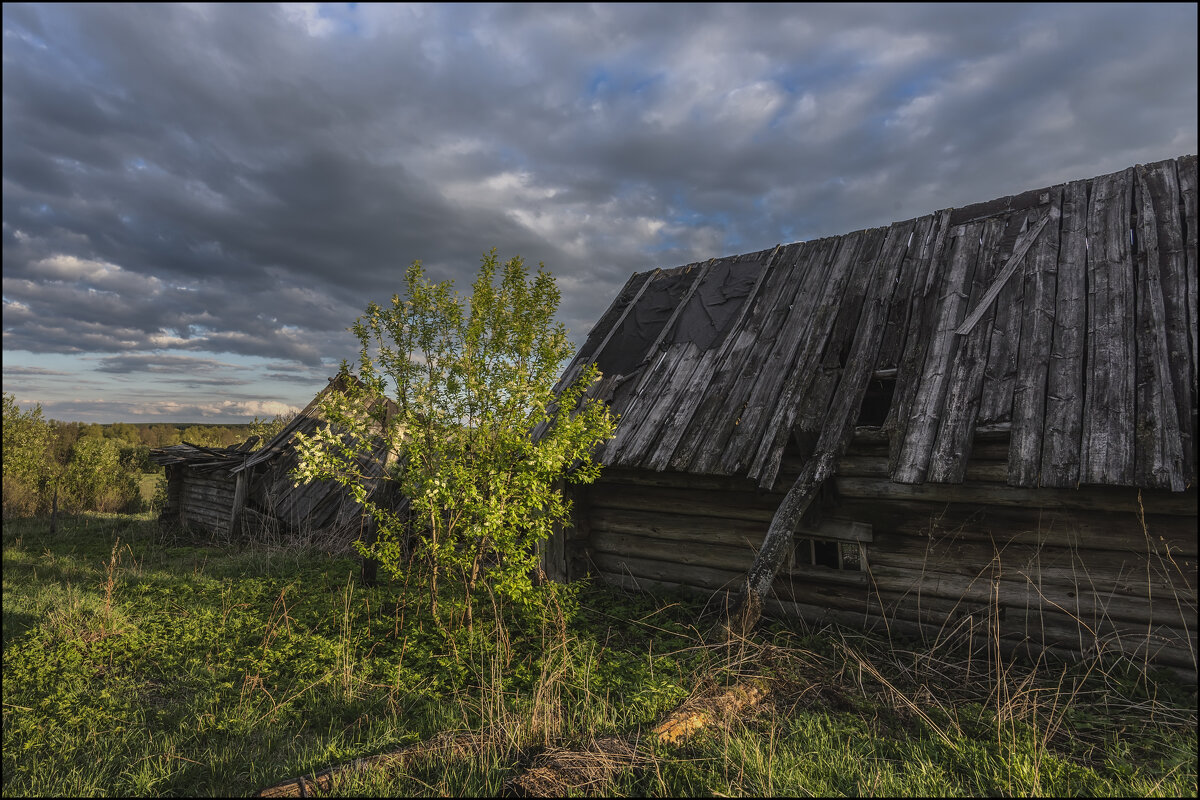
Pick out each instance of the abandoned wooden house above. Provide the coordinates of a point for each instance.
(995, 407)
(236, 491)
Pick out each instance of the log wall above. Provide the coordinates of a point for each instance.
(1072, 570)
(205, 499)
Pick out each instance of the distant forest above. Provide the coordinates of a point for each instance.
(84, 466)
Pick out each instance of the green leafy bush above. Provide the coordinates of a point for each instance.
(472, 379)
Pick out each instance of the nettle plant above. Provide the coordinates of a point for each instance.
(471, 380)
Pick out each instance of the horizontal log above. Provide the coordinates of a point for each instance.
(686, 502)
(1004, 525)
(699, 577)
(1052, 565)
(860, 466)
(695, 554)
(703, 530)
(1116, 601)
(1093, 498)
(624, 580)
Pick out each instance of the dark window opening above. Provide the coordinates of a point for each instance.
(830, 554)
(877, 402)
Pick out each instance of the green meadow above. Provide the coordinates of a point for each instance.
(138, 662)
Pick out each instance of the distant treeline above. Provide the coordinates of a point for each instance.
(86, 466)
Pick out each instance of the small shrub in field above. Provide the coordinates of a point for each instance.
(472, 380)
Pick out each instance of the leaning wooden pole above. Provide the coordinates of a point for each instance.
(746, 610)
(836, 432)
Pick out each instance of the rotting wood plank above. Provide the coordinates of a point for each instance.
(835, 435)
(1176, 279)
(823, 273)
(927, 408)
(855, 466)
(711, 578)
(638, 426)
(609, 321)
(1112, 573)
(679, 419)
(679, 413)
(879, 278)
(1122, 601)
(746, 346)
(681, 480)
(1063, 418)
(1169, 537)
(691, 502)
(1109, 415)
(679, 393)
(645, 413)
(807, 328)
(891, 348)
(930, 263)
(1157, 457)
(1187, 194)
(1037, 332)
(613, 318)
(871, 283)
(1000, 372)
(687, 530)
(1024, 242)
(802, 333)
(956, 429)
(695, 554)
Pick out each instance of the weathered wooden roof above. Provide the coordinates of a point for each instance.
(203, 458)
(1066, 313)
(306, 422)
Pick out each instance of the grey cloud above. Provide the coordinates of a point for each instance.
(150, 362)
(37, 372)
(255, 186)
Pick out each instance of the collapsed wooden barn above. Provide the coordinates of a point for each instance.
(238, 491)
(1000, 399)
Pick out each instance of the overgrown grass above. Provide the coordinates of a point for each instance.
(144, 665)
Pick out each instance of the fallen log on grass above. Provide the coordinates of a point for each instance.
(589, 769)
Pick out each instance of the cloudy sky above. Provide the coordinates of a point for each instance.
(198, 200)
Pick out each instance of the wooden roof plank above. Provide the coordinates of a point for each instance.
(617, 317)
(962, 256)
(666, 380)
(1158, 457)
(792, 321)
(792, 360)
(1033, 358)
(956, 431)
(1177, 281)
(1186, 167)
(891, 346)
(931, 264)
(879, 277)
(1000, 372)
(1024, 242)
(686, 393)
(1063, 416)
(773, 317)
(1109, 411)
(678, 422)
(651, 382)
(604, 329)
(745, 343)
